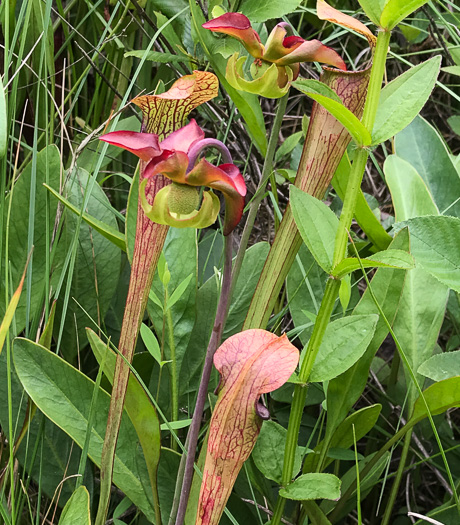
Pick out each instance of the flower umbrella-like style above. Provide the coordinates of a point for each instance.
(277, 62)
(176, 159)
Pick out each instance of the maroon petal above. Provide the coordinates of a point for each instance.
(310, 51)
(171, 164)
(183, 138)
(144, 145)
(238, 26)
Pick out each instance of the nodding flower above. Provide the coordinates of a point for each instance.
(177, 158)
(277, 62)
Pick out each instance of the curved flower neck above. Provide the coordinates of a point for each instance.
(200, 145)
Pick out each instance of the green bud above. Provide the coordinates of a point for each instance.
(183, 199)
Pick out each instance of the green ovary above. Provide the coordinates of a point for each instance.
(183, 199)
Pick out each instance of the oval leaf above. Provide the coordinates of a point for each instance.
(64, 395)
(76, 510)
(268, 454)
(373, 9)
(251, 363)
(344, 342)
(317, 225)
(439, 397)
(402, 99)
(441, 366)
(313, 486)
(397, 10)
(435, 244)
(409, 193)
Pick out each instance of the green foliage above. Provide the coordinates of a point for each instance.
(77, 509)
(69, 73)
(317, 225)
(257, 12)
(435, 244)
(336, 107)
(313, 486)
(402, 99)
(345, 341)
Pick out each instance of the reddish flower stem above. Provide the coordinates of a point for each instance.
(216, 336)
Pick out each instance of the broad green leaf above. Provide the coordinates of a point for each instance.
(344, 342)
(76, 510)
(48, 161)
(440, 397)
(313, 486)
(423, 301)
(409, 192)
(251, 363)
(373, 9)
(441, 366)
(364, 216)
(422, 146)
(402, 99)
(435, 244)
(3, 122)
(64, 395)
(317, 225)
(97, 264)
(355, 426)
(261, 12)
(253, 262)
(268, 454)
(156, 56)
(386, 259)
(387, 285)
(348, 119)
(395, 11)
(454, 123)
(113, 235)
(140, 410)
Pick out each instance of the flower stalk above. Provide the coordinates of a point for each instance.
(216, 335)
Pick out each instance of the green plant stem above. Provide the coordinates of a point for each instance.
(173, 369)
(397, 480)
(333, 285)
(257, 199)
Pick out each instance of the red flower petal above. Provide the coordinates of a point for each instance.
(183, 138)
(171, 164)
(238, 26)
(144, 145)
(312, 51)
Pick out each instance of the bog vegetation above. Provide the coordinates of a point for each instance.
(230, 262)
